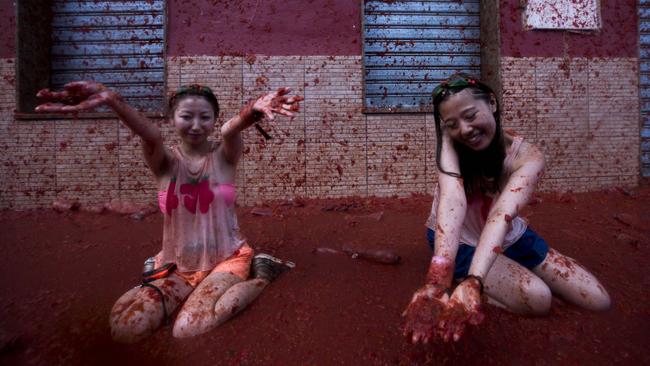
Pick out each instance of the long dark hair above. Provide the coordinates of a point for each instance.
(480, 170)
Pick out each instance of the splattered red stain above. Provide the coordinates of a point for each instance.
(617, 38)
(62, 272)
(296, 27)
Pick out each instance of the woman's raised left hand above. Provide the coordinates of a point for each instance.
(277, 102)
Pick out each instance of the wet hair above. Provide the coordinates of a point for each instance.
(192, 90)
(480, 170)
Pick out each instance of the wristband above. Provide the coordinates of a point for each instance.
(438, 259)
(477, 278)
(441, 271)
(253, 117)
(262, 132)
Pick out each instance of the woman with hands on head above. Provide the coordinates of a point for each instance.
(205, 264)
(485, 177)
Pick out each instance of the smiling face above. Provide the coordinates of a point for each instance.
(194, 120)
(468, 119)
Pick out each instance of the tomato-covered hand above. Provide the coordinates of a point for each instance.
(76, 96)
(463, 307)
(421, 314)
(277, 102)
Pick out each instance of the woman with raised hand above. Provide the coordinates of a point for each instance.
(205, 265)
(481, 245)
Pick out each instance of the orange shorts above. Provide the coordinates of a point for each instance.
(239, 264)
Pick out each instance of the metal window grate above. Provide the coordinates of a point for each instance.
(118, 43)
(410, 46)
(644, 84)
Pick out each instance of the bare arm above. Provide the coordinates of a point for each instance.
(516, 194)
(452, 204)
(86, 95)
(421, 315)
(267, 105)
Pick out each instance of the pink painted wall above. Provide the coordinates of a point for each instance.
(290, 27)
(617, 38)
(7, 29)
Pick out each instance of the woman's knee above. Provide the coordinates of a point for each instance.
(595, 298)
(197, 314)
(535, 295)
(140, 311)
(517, 288)
(572, 282)
(531, 302)
(530, 296)
(591, 294)
(134, 319)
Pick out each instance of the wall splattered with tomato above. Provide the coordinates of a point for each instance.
(287, 28)
(617, 37)
(576, 95)
(560, 90)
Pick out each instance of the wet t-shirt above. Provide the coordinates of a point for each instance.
(479, 206)
(200, 226)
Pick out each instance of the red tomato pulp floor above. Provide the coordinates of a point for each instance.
(62, 272)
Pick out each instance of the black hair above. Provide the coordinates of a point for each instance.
(192, 90)
(480, 170)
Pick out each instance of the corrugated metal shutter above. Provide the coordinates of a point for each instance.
(410, 46)
(644, 84)
(118, 43)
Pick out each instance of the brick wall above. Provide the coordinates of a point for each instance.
(582, 112)
(330, 149)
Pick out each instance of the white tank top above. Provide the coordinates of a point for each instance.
(478, 207)
(200, 225)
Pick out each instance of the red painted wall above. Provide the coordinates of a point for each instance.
(290, 27)
(617, 38)
(333, 27)
(7, 29)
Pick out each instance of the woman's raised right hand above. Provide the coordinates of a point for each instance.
(76, 96)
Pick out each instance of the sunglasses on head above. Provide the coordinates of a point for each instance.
(194, 88)
(445, 86)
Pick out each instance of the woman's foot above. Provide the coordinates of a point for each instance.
(268, 267)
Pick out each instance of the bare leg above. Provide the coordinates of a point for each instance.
(139, 312)
(237, 298)
(572, 282)
(197, 314)
(512, 286)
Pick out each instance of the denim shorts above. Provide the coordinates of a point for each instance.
(529, 251)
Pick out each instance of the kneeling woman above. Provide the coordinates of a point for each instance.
(196, 195)
(485, 177)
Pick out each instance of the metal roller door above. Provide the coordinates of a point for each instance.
(644, 84)
(410, 46)
(118, 43)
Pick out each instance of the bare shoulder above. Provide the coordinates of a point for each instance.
(227, 166)
(529, 155)
(168, 164)
(159, 158)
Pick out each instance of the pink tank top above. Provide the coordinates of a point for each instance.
(200, 225)
(478, 207)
